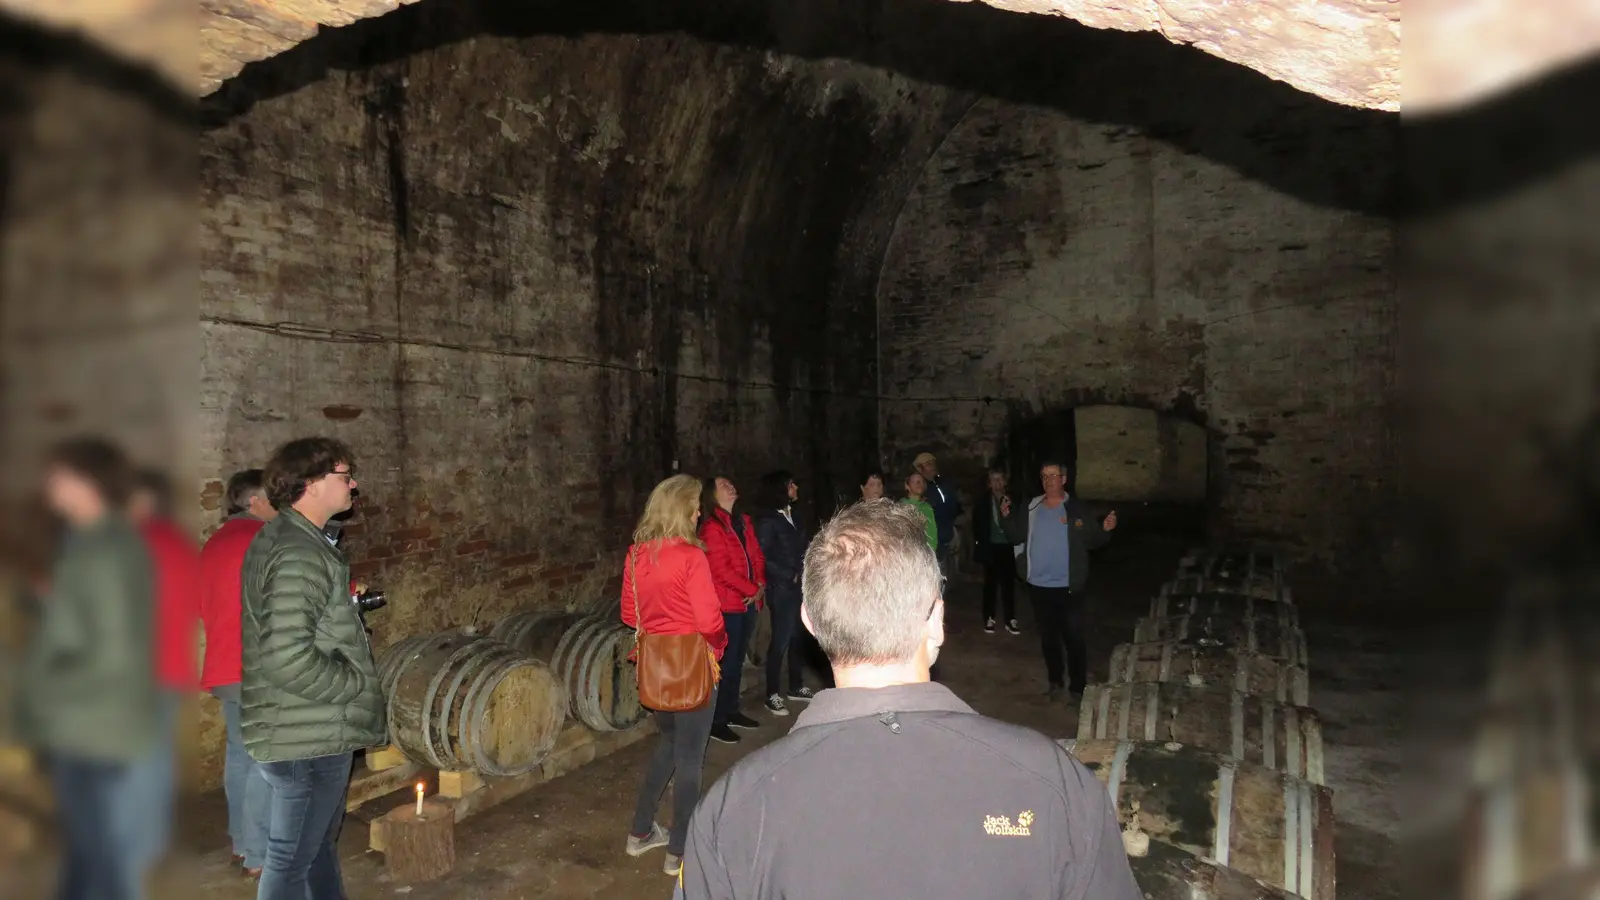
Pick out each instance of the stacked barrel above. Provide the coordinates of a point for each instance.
(495, 703)
(1528, 825)
(1205, 739)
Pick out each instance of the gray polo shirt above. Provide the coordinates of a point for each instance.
(906, 792)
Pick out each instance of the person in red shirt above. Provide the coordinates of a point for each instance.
(174, 560)
(739, 571)
(666, 581)
(221, 568)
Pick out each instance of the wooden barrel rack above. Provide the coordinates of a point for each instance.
(1259, 731)
(460, 701)
(1266, 824)
(602, 687)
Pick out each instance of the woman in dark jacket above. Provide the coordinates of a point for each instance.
(783, 543)
(740, 574)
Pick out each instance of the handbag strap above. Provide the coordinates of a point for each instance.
(638, 617)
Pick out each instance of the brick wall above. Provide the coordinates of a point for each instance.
(524, 279)
(1044, 261)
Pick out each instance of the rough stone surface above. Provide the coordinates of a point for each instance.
(1044, 263)
(524, 305)
(1346, 51)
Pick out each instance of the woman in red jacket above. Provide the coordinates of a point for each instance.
(667, 576)
(740, 573)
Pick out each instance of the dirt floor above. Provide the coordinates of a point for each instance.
(564, 839)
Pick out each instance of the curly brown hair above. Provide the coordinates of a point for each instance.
(300, 462)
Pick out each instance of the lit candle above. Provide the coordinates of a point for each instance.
(419, 799)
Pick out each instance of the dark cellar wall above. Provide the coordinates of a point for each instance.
(1043, 262)
(525, 261)
(513, 237)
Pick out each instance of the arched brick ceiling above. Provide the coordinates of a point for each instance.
(1346, 51)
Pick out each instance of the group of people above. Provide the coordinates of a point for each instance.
(113, 654)
(880, 758)
(700, 565)
(887, 784)
(1043, 543)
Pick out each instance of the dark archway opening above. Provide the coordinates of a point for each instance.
(1152, 466)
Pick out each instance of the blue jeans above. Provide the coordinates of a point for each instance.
(98, 862)
(739, 626)
(307, 808)
(247, 791)
(145, 804)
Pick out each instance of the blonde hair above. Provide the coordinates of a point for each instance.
(670, 513)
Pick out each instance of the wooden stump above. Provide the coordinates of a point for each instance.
(421, 848)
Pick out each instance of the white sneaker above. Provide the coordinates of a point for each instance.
(673, 866)
(988, 625)
(638, 846)
(1011, 626)
(776, 707)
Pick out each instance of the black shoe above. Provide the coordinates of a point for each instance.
(802, 694)
(740, 720)
(724, 734)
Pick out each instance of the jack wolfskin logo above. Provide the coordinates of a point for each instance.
(1001, 825)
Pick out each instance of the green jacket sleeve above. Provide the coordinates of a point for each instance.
(291, 659)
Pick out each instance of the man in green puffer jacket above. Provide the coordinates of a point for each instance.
(309, 694)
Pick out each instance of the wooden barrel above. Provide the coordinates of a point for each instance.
(1261, 822)
(1214, 668)
(1251, 729)
(389, 666)
(602, 686)
(1233, 558)
(535, 632)
(1257, 585)
(1165, 872)
(760, 637)
(1266, 636)
(1221, 606)
(462, 701)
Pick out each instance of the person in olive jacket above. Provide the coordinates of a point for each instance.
(309, 692)
(87, 694)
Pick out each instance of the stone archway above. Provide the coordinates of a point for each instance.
(1129, 453)
(1118, 454)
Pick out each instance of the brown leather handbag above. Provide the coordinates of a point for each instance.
(676, 672)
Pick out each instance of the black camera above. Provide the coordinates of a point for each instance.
(369, 601)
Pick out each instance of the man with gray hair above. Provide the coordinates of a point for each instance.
(888, 785)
